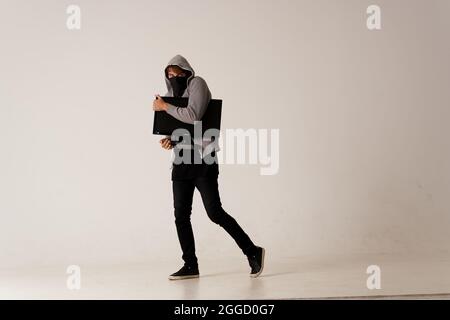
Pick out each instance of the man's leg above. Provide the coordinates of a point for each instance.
(183, 192)
(209, 191)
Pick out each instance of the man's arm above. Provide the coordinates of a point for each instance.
(199, 97)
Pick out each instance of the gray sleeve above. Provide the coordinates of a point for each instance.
(199, 97)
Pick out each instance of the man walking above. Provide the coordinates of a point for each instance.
(181, 81)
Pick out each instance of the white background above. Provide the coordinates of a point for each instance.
(363, 118)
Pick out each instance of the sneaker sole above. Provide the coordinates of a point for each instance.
(254, 275)
(183, 277)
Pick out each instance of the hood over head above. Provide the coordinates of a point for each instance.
(181, 62)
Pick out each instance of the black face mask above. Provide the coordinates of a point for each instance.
(179, 84)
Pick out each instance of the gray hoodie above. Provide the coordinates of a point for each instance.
(197, 91)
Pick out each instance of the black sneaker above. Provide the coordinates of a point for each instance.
(256, 262)
(186, 272)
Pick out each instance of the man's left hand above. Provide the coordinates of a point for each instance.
(159, 104)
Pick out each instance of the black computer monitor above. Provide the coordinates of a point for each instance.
(165, 124)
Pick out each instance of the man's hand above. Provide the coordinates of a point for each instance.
(159, 104)
(166, 143)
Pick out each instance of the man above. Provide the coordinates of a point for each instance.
(181, 81)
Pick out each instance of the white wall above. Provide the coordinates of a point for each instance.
(363, 118)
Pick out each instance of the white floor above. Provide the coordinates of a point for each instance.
(283, 278)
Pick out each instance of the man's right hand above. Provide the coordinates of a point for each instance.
(166, 143)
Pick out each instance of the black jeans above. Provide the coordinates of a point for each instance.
(183, 192)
